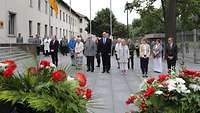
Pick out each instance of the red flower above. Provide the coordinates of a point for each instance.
(191, 73)
(150, 92)
(8, 72)
(88, 94)
(32, 71)
(10, 63)
(130, 100)
(81, 78)
(80, 91)
(143, 106)
(162, 77)
(59, 75)
(45, 63)
(150, 80)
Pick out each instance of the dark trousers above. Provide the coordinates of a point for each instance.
(137, 52)
(131, 61)
(106, 62)
(144, 65)
(38, 50)
(46, 53)
(171, 63)
(98, 59)
(117, 61)
(54, 56)
(90, 63)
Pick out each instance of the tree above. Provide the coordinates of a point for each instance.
(150, 22)
(168, 9)
(101, 22)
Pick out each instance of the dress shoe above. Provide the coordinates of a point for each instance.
(88, 70)
(108, 71)
(103, 72)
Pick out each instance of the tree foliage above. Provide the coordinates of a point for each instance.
(101, 23)
(158, 20)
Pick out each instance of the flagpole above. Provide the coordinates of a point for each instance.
(111, 30)
(70, 10)
(90, 17)
(49, 20)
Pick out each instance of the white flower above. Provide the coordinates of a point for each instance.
(180, 80)
(159, 92)
(177, 84)
(52, 65)
(69, 78)
(195, 87)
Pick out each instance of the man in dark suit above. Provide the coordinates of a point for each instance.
(54, 45)
(105, 50)
(171, 53)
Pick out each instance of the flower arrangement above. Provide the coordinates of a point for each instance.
(43, 89)
(177, 92)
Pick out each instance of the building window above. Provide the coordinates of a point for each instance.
(60, 15)
(30, 28)
(64, 16)
(11, 26)
(69, 20)
(51, 31)
(38, 28)
(30, 3)
(81, 20)
(51, 12)
(81, 30)
(46, 7)
(66, 33)
(56, 31)
(45, 30)
(63, 32)
(60, 32)
(39, 5)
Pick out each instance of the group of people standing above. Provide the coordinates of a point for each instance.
(101, 48)
(125, 50)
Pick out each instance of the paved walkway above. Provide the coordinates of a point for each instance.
(110, 91)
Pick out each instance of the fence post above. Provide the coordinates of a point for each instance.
(182, 43)
(195, 41)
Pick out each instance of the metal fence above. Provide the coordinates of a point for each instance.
(188, 43)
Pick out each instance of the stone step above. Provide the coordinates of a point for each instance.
(13, 53)
(16, 56)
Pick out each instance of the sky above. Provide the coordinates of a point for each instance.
(82, 6)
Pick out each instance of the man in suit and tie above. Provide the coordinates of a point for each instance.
(105, 50)
(171, 53)
(54, 45)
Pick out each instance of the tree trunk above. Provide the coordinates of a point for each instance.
(169, 13)
(171, 19)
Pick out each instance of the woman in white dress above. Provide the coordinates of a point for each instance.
(123, 56)
(157, 55)
(117, 47)
(79, 52)
(46, 46)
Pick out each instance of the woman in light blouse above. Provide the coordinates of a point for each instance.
(157, 57)
(144, 56)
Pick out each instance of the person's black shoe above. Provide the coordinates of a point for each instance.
(92, 70)
(108, 71)
(103, 72)
(98, 66)
(88, 70)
